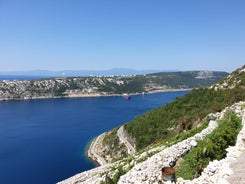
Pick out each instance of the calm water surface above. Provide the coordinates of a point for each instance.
(44, 141)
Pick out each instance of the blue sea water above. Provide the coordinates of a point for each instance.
(20, 77)
(45, 141)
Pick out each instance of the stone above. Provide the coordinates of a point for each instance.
(193, 143)
(222, 181)
(225, 172)
(234, 153)
(143, 178)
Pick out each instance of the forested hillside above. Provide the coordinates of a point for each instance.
(189, 79)
(186, 112)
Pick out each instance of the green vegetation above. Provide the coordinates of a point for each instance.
(186, 79)
(164, 80)
(185, 135)
(59, 87)
(182, 114)
(185, 113)
(119, 171)
(211, 148)
(126, 85)
(114, 148)
(183, 118)
(116, 177)
(174, 140)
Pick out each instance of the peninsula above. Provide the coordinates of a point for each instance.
(106, 85)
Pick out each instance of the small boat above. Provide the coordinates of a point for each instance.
(126, 96)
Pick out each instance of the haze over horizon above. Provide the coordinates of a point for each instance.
(142, 35)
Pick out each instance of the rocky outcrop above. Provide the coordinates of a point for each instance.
(233, 80)
(205, 75)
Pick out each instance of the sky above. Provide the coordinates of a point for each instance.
(138, 34)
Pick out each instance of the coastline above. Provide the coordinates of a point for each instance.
(130, 94)
(147, 171)
(95, 146)
(93, 152)
(168, 90)
(85, 95)
(90, 95)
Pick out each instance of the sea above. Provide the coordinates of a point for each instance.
(45, 141)
(20, 77)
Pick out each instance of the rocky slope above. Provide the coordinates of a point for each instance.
(184, 113)
(105, 85)
(146, 167)
(230, 169)
(233, 80)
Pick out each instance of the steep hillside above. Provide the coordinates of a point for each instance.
(185, 113)
(102, 85)
(145, 167)
(165, 134)
(234, 80)
(191, 79)
(181, 115)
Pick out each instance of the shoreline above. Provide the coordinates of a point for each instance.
(169, 90)
(91, 95)
(92, 151)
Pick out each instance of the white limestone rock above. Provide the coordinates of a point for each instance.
(193, 143)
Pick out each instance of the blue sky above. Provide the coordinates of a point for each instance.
(138, 34)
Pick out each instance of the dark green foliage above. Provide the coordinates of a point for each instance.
(171, 119)
(185, 135)
(185, 79)
(114, 149)
(171, 80)
(111, 139)
(130, 85)
(118, 174)
(108, 180)
(116, 177)
(211, 148)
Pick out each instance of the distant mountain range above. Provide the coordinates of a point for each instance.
(72, 73)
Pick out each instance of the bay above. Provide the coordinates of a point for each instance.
(45, 141)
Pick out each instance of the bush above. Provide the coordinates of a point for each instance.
(180, 115)
(211, 148)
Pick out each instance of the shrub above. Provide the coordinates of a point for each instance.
(211, 148)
